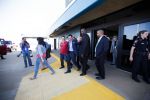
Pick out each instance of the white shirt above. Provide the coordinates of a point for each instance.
(70, 46)
(97, 43)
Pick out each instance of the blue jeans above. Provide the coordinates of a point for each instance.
(25, 57)
(38, 61)
(73, 56)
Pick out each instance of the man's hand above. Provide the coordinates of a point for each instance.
(149, 56)
(131, 58)
(79, 39)
(82, 55)
(42, 60)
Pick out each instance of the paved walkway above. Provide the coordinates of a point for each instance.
(15, 83)
(62, 86)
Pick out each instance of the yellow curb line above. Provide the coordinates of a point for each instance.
(94, 87)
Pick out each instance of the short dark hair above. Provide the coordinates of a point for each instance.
(70, 35)
(41, 41)
(141, 32)
(23, 38)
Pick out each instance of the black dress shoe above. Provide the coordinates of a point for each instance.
(82, 74)
(67, 72)
(31, 65)
(61, 67)
(97, 74)
(78, 69)
(99, 78)
(88, 67)
(3, 58)
(147, 81)
(136, 80)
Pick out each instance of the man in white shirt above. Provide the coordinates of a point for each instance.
(101, 49)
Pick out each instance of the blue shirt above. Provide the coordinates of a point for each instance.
(25, 47)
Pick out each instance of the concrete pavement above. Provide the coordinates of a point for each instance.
(15, 83)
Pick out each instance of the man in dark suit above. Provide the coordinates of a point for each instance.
(84, 50)
(101, 49)
(73, 52)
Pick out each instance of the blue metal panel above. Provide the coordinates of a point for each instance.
(78, 8)
(75, 32)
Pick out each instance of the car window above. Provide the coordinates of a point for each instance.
(8, 42)
(2, 41)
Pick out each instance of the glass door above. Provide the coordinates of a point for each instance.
(129, 35)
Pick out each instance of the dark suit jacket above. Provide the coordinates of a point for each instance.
(85, 45)
(75, 45)
(102, 47)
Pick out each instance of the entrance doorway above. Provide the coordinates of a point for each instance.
(109, 32)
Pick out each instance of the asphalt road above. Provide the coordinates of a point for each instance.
(11, 72)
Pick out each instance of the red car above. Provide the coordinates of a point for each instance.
(3, 47)
(9, 46)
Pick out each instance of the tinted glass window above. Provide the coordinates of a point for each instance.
(130, 33)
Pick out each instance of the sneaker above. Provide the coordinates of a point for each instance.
(44, 68)
(52, 73)
(32, 78)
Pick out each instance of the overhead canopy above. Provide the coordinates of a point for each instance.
(82, 11)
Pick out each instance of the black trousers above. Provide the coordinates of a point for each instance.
(62, 62)
(140, 62)
(2, 57)
(64, 58)
(99, 62)
(149, 68)
(83, 60)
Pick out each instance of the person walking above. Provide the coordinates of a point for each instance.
(101, 50)
(41, 58)
(73, 51)
(139, 55)
(25, 51)
(84, 50)
(48, 50)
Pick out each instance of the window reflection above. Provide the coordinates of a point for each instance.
(129, 35)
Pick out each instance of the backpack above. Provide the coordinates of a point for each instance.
(48, 51)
